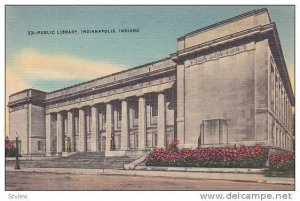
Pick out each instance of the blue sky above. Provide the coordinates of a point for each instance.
(98, 54)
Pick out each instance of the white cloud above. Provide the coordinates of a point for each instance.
(61, 67)
(30, 65)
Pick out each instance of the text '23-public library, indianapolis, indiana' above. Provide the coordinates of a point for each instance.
(227, 84)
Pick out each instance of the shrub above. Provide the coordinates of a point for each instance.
(10, 148)
(243, 157)
(172, 146)
(284, 161)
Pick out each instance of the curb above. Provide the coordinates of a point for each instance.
(238, 177)
(203, 169)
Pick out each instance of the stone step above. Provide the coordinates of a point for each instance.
(85, 155)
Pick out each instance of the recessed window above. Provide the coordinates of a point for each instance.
(136, 113)
(88, 123)
(40, 145)
(154, 109)
(76, 125)
(119, 112)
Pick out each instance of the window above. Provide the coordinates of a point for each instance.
(76, 125)
(151, 139)
(119, 112)
(40, 145)
(88, 123)
(136, 113)
(154, 109)
(104, 116)
(120, 115)
(65, 125)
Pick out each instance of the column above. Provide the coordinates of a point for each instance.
(274, 138)
(288, 117)
(276, 97)
(277, 137)
(48, 134)
(108, 126)
(291, 119)
(29, 131)
(94, 129)
(284, 111)
(278, 106)
(82, 129)
(124, 126)
(281, 138)
(59, 133)
(282, 106)
(161, 121)
(274, 89)
(180, 104)
(71, 133)
(142, 123)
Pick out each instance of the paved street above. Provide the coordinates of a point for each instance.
(51, 181)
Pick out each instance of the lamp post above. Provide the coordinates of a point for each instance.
(17, 166)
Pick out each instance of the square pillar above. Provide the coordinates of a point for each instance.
(277, 137)
(161, 121)
(108, 126)
(274, 140)
(59, 133)
(180, 119)
(71, 133)
(94, 129)
(48, 134)
(124, 126)
(82, 129)
(142, 123)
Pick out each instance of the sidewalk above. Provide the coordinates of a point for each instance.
(257, 178)
(29, 158)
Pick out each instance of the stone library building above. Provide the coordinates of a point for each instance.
(227, 84)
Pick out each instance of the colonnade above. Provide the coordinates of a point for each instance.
(71, 130)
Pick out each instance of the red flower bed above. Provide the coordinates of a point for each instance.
(173, 146)
(284, 161)
(242, 156)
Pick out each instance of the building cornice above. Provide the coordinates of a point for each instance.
(107, 86)
(255, 31)
(224, 22)
(24, 101)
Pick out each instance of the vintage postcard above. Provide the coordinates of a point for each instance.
(145, 98)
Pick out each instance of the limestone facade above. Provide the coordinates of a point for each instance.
(226, 84)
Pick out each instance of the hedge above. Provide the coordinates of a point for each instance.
(238, 157)
(284, 161)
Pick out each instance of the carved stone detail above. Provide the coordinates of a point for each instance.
(215, 55)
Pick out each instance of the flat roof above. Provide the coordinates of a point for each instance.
(235, 18)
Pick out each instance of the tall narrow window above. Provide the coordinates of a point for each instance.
(136, 113)
(39, 145)
(76, 125)
(154, 109)
(65, 125)
(88, 123)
